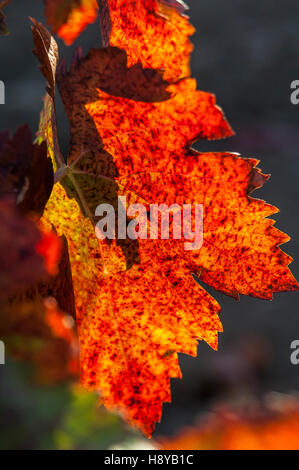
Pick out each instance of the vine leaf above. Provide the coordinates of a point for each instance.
(132, 126)
(155, 33)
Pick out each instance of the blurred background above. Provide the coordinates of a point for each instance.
(247, 53)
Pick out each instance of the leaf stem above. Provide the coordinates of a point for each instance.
(80, 195)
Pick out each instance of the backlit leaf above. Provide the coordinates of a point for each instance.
(68, 18)
(152, 32)
(132, 125)
(3, 27)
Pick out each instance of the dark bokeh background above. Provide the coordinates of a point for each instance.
(247, 53)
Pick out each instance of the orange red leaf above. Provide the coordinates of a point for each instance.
(49, 247)
(152, 32)
(132, 125)
(68, 18)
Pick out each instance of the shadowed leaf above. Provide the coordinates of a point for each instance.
(25, 171)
